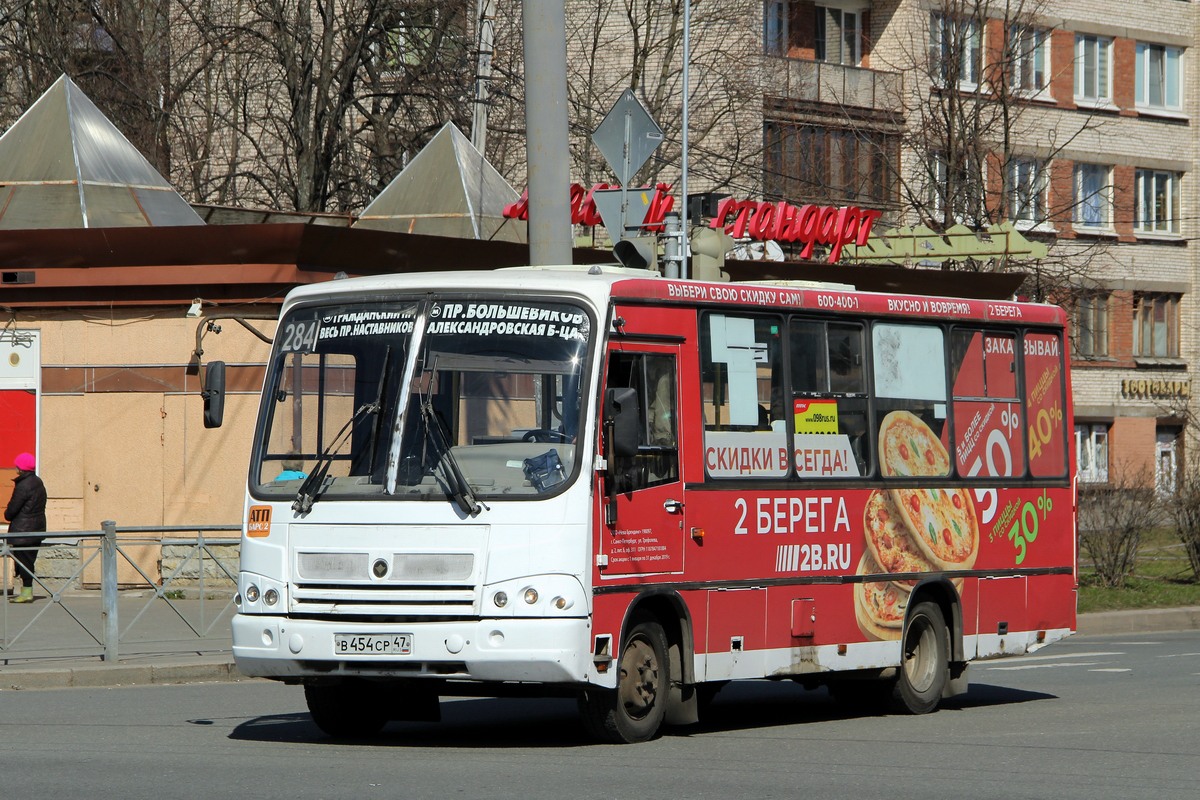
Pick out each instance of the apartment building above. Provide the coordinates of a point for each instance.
(1074, 122)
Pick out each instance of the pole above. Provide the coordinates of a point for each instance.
(108, 590)
(683, 187)
(484, 37)
(550, 234)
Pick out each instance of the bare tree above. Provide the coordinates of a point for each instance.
(295, 104)
(326, 99)
(615, 45)
(119, 53)
(1112, 520)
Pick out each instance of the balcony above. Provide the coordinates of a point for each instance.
(833, 84)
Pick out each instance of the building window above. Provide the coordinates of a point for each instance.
(1156, 325)
(1027, 191)
(775, 28)
(1157, 202)
(1091, 448)
(819, 164)
(1159, 77)
(1030, 58)
(1093, 61)
(957, 189)
(955, 50)
(839, 36)
(1093, 196)
(1091, 326)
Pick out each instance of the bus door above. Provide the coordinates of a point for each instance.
(643, 528)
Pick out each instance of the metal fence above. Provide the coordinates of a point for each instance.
(122, 593)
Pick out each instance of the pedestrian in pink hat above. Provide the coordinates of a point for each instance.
(26, 513)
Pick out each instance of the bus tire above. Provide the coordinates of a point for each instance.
(345, 710)
(924, 660)
(634, 711)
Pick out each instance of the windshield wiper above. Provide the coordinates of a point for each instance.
(310, 490)
(387, 358)
(456, 482)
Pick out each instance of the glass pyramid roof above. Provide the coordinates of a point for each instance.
(63, 164)
(448, 189)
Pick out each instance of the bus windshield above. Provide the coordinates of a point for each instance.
(423, 399)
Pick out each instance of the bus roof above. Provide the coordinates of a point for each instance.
(600, 283)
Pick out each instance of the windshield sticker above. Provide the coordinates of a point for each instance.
(366, 323)
(508, 319)
(815, 416)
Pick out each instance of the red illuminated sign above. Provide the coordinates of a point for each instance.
(583, 207)
(807, 224)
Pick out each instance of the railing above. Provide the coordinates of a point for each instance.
(96, 597)
(835, 84)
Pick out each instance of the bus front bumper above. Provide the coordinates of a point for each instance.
(490, 650)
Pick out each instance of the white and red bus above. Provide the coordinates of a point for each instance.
(631, 489)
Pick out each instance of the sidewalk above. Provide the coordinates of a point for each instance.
(188, 641)
(46, 645)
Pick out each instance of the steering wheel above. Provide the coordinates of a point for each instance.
(545, 435)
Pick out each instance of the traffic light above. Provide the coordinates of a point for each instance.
(640, 252)
(709, 247)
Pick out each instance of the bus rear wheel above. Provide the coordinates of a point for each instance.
(345, 710)
(634, 711)
(924, 660)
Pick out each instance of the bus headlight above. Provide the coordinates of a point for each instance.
(252, 594)
(551, 595)
(270, 597)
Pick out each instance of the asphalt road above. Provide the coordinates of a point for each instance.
(1093, 717)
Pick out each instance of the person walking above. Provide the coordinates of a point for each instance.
(26, 513)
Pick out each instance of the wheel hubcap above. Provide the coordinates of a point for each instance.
(639, 679)
(919, 655)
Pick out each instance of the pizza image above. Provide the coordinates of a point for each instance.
(908, 447)
(879, 606)
(942, 523)
(889, 540)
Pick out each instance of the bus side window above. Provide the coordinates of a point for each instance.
(829, 391)
(742, 371)
(653, 378)
(988, 414)
(909, 364)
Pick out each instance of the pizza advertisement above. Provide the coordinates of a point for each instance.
(909, 531)
(955, 474)
(1043, 403)
(988, 424)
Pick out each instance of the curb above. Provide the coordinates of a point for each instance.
(1145, 620)
(113, 675)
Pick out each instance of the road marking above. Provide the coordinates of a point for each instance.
(1110, 669)
(1060, 656)
(1045, 666)
(1177, 655)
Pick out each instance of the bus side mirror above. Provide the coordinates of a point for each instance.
(214, 394)
(621, 419)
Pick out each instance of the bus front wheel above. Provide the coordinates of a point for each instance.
(634, 711)
(345, 710)
(925, 660)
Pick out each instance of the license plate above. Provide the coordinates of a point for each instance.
(372, 644)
